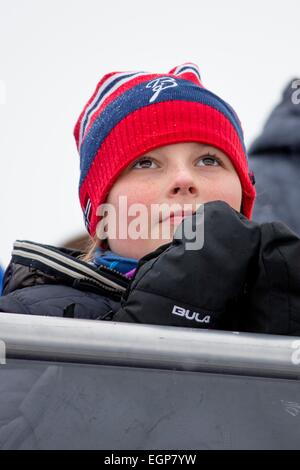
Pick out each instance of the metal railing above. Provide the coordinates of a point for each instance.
(162, 347)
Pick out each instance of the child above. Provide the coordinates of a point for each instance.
(163, 139)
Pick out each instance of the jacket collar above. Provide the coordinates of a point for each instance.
(35, 263)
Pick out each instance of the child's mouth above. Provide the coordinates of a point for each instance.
(176, 217)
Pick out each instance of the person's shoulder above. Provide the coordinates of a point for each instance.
(47, 280)
(56, 300)
(36, 263)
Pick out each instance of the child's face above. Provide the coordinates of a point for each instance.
(184, 173)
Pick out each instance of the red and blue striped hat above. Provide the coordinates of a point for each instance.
(131, 113)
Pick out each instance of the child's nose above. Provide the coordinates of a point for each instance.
(183, 183)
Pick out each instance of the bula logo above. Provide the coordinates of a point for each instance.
(160, 84)
(182, 312)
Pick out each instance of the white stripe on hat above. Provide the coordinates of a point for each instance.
(96, 97)
(89, 113)
(87, 208)
(86, 212)
(188, 68)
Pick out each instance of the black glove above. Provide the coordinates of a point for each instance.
(199, 288)
(271, 303)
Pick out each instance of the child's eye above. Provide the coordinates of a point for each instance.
(209, 160)
(145, 163)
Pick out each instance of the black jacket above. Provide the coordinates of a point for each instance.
(46, 280)
(246, 277)
(275, 159)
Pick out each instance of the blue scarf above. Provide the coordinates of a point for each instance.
(114, 261)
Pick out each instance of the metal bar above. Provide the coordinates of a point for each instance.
(162, 347)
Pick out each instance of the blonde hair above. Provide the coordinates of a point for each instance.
(92, 245)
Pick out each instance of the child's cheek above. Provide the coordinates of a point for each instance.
(230, 191)
(141, 195)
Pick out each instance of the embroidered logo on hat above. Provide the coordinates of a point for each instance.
(160, 84)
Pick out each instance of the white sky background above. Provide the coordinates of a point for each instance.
(52, 54)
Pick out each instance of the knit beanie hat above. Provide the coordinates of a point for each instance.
(131, 113)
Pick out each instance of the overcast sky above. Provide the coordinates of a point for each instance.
(52, 54)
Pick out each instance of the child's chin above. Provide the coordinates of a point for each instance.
(148, 246)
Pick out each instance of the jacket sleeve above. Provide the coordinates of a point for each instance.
(246, 277)
(272, 300)
(11, 304)
(56, 300)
